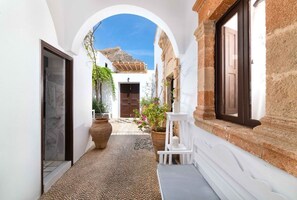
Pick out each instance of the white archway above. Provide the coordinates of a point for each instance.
(121, 9)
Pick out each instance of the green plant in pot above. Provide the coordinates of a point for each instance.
(153, 116)
(101, 129)
(100, 75)
(100, 109)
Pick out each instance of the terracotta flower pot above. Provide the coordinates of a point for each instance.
(158, 139)
(100, 131)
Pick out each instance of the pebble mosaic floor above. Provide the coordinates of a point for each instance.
(126, 169)
(125, 126)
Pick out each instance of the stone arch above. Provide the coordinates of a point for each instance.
(122, 9)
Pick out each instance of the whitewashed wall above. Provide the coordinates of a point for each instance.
(23, 24)
(82, 101)
(188, 85)
(158, 64)
(236, 174)
(101, 60)
(189, 78)
(22, 27)
(77, 21)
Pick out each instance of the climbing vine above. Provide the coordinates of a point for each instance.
(100, 75)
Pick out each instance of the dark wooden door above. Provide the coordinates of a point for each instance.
(129, 99)
(231, 71)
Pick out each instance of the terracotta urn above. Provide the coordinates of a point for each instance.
(158, 140)
(100, 131)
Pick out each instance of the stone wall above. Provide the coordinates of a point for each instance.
(171, 69)
(275, 139)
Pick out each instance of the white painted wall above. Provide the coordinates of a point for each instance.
(158, 62)
(168, 15)
(245, 168)
(22, 27)
(23, 24)
(82, 101)
(188, 62)
(101, 60)
(189, 78)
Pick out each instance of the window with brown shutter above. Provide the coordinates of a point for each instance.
(233, 66)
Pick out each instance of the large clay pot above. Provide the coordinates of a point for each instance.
(158, 139)
(100, 132)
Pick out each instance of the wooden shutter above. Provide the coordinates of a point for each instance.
(231, 70)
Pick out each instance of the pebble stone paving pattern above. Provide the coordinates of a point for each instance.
(126, 169)
(125, 126)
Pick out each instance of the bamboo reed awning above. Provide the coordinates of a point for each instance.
(123, 62)
(127, 67)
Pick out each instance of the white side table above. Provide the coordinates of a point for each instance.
(181, 119)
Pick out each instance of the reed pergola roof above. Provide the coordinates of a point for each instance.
(123, 62)
(136, 66)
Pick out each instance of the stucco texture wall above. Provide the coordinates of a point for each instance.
(22, 27)
(23, 24)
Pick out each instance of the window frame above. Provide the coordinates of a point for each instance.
(241, 7)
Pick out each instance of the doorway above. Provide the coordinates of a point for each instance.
(56, 114)
(170, 92)
(129, 99)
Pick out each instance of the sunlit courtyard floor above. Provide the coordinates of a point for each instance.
(126, 169)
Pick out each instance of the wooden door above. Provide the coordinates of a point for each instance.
(129, 99)
(231, 70)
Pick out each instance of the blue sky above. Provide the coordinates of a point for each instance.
(132, 33)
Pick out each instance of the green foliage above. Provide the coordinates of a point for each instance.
(103, 75)
(146, 101)
(152, 115)
(100, 75)
(99, 106)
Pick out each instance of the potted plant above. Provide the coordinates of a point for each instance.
(153, 116)
(101, 129)
(100, 109)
